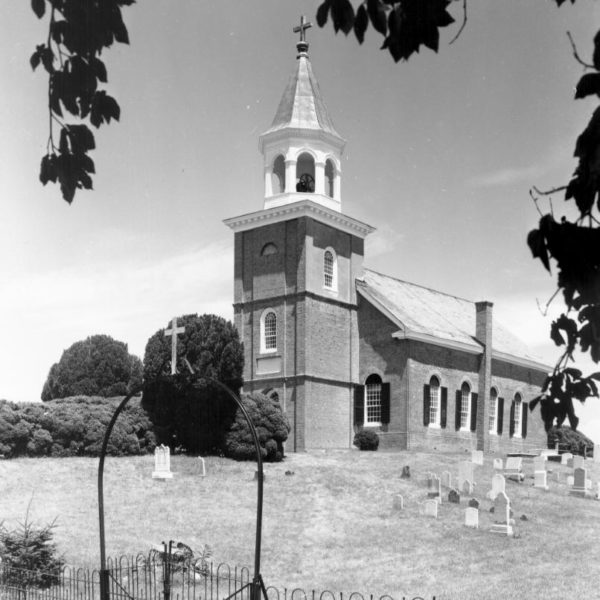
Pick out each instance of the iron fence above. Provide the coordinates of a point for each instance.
(146, 578)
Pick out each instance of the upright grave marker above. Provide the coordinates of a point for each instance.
(578, 462)
(477, 457)
(430, 508)
(472, 517)
(465, 472)
(398, 502)
(502, 515)
(498, 486)
(539, 463)
(579, 477)
(514, 468)
(446, 479)
(202, 467)
(596, 452)
(540, 480)
(498, 464)
(565, 458)
(162, 463)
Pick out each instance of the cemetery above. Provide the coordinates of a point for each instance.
(319, 525)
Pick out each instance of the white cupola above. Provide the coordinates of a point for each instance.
(302, 150)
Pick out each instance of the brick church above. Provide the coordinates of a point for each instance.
(343, 347)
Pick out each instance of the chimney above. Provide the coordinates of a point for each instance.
(483, 333)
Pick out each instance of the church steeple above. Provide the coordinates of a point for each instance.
(302, 150)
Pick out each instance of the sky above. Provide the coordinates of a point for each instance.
(441, 153)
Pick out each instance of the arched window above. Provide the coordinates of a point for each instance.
(278, 177)
(329, 177)
(268, 333)
(517, 412)
(268, 249)
(434, 402)
(305, 173)
(373, 400)
(329, 269)
(493, 410)
(465, 406)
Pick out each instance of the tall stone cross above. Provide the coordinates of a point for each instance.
(301, 29)
(173, 333)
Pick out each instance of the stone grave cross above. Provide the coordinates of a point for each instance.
(173, 333)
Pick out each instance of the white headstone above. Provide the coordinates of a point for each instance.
(502, 515)
(513, 468)
(570, 480)
(162, 463)
(578, 462)
(564, 458)
(598, 491)
(539, 463)
(588, 484)
(203, 467)
(472, 517)
(446, 479)
(498, 486)
(540, 480)
(477, 457)
(398, 502)
(498, 464)
(465, 472)
(430, 508)
(466, 487)
(596, 452)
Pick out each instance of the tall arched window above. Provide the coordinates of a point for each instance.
(278, 178)
(330, 269)
(305, 173)
(373, 400)
(268, 331)
(434, 402)
(465, 406)
(493, 410)
(329, 177)
(517, 412)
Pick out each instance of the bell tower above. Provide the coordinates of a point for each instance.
(296, 262)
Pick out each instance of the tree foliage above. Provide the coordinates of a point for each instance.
(73, 427)
(78, 31)
(189, 413)
(30, 555)
(272, 427)
(96, 366)
(569, 440)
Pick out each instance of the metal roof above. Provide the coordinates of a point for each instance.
(423, 313)
(302, 106)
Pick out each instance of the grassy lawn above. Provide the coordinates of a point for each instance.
(330, 525)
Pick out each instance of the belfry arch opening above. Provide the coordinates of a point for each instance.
(305, 173)
(329, 178)
(278, 176)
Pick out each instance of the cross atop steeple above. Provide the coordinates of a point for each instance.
(301, 29)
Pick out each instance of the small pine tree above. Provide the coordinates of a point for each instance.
(30, 555)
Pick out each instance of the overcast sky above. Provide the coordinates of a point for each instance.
(441, 153)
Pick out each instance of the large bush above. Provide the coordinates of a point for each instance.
(73, 427)
(366, 439)
(271, 424)
(97, 366)
(190, 413)
(570, 440)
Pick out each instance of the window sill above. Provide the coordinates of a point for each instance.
(269, 352)
(374, 424)
(434, 426)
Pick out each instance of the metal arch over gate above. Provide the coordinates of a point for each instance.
(256, 585)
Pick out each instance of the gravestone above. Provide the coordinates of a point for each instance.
(540, 480)
(474, 503)
(514, 468)
(539, 463)
(565, 458)
(466, 487)
(502, 515)
(203, 467)
(472, 517)
(598, 491)
(498, 486)
(398, 502)
(465, 472)
(405, 472)
(579, 477)
(454, 497)
(570, 480)
(596, 452)
(162, 463)
(430, 508)
(435, 487)
(498, 464)
(578, 462)
(446, 479)
(477, 457)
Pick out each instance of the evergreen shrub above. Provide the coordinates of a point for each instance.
(570, 440)
(73, 427)
(366, 439)
(272, 427)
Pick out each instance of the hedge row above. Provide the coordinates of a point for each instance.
(73, 427)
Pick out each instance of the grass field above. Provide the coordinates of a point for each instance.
(330, 525)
